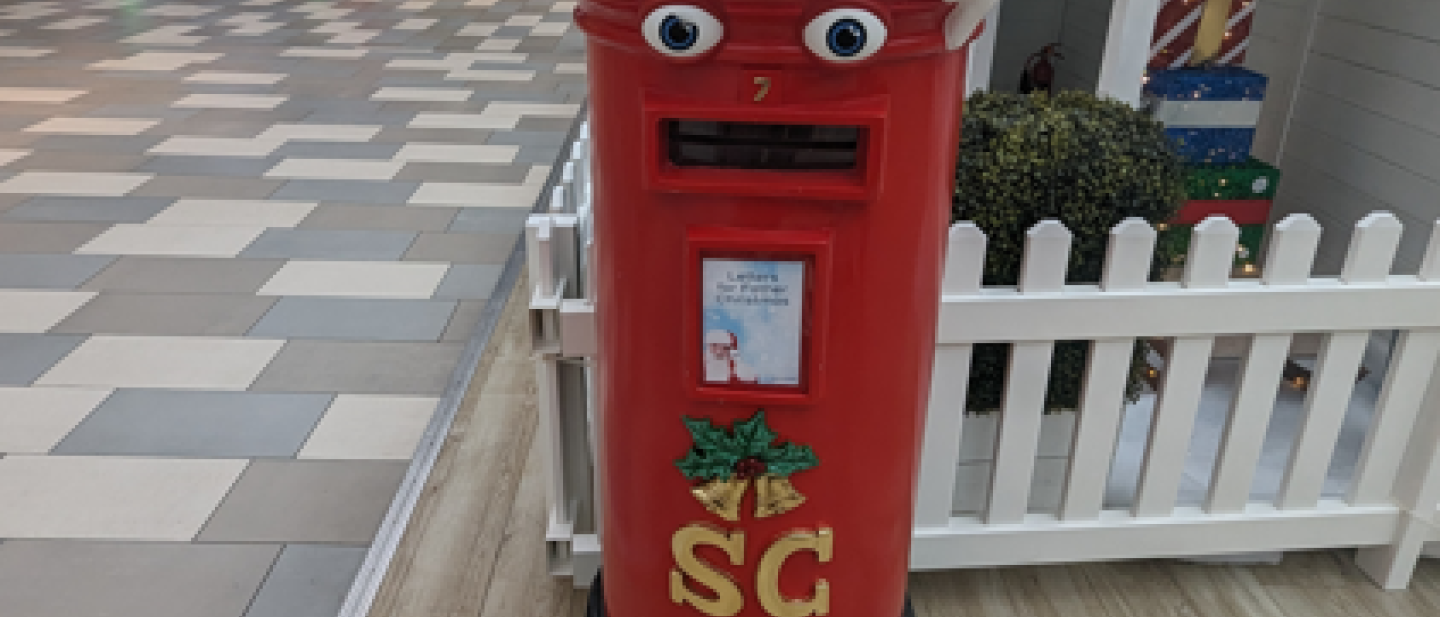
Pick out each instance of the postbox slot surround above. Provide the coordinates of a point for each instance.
(764, 146)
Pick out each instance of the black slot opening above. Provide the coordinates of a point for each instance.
(748, 145)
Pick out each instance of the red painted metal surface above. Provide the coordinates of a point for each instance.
(871, 238)
(1241, 211)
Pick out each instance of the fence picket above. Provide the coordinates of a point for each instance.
(1430, 265)
(1372, 252)
(964, 259)
(1395, 412)
(1292, 250)
(1127, 266)
(1047, 252)
(1250, 411)
(1170, 429)
(1019, 433)
(538, 230)
(1212, 253)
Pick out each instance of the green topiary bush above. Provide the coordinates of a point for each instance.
(1087, 161)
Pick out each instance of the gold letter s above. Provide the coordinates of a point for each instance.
(767, 583)
(727, 601)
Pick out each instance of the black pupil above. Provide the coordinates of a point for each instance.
(678, 34)
(847, 37)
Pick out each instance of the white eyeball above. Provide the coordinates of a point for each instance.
(845, 35)
(681, 30)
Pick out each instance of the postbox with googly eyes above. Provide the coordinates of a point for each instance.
(772, 182)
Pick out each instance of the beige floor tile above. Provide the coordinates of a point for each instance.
(370, 427)
(233, 213)
(218, 146)
(471, 194)
(356, 278)
(456, 153)
(321, 132)
(335, 169)
(230, 101)
(35, 312)
(10, 156)
(74, 183)
(163, 362)
(33, 420)
(92, 126)
(452, 95)
(235, 78)
(96, 497)
(38, 95)
(177, 241)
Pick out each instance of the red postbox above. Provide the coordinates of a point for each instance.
(772, 186)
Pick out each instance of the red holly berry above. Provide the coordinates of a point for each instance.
(749, 468)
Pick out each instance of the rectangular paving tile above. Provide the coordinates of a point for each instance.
(472, 248)
(356, 279)
(463, 322)
(476, 195)
(89, 209)
(164, 314)
(35, 419)
(355, 319)
(490, 220)
(306, 501)
(74, 183)
(55, 160)
(347, 191)
(169, 274)
(97, 143)
(36, 311)
(91, 497)
(469, 282)
(370, 427)
(46, 237)
(336, 216)
(308, 581)
(331, 244)
(356, 367)
(167, 240)
(334, 169)
(189, 165)
(234, 212)
(25, 357)
(162, 423)
(93, 126)
(209, 187)
(110, 579)
(163, 362)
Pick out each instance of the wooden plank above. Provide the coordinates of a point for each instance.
(1250, 412)
(1395, 413)
(1019, 432)
(1325, 404)
(940, 449)
(1102, 404)
(1170, 430)
(1047, 252)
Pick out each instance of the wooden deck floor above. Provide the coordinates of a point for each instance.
(475, 546)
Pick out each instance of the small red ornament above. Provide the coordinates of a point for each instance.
(749, 468)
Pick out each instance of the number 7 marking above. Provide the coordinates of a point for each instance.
(764, 83)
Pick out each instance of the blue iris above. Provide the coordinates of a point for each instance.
(678, 34)
(846, 37)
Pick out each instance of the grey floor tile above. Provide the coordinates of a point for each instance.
(25, 357)
(123, 144)
(49, 271)
(463, 172)
(469, 282)
(348, 191)
(322, 150)
(306, 501)
(208, 166)
(402, 135)
(356, 319)
(332, 244)
(308, 581)
(83, 161)
(55, 238)
(197, 424)
(211, 187)
(538, 155)
(419, 369)
(549, 125)
(399, 218)
(180, 275)
(490, 220)
(464, 321)
(167, 314)
(123, 579)
(89, 209)
(470, 248)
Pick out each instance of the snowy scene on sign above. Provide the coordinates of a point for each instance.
(752, 316)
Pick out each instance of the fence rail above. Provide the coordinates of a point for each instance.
(1389, 510)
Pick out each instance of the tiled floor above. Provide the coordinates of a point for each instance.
(242, 244)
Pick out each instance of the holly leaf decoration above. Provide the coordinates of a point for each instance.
(707, 436)
(707, 464)
(753, 436)
(789, 458)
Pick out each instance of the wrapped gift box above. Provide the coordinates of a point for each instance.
(1210, 113)
(1251, 179)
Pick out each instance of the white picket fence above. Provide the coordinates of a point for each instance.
(1389, 511)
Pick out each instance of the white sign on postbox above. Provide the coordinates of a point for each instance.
(752, 315)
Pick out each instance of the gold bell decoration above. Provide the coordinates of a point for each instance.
(775, 496)
(722, 497)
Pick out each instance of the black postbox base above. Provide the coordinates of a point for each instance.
(595, 606)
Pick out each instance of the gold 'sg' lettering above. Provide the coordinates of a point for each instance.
(728, 600)
(767, 578)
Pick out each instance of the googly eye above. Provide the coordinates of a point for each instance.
(845, 35)
(681, 30)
